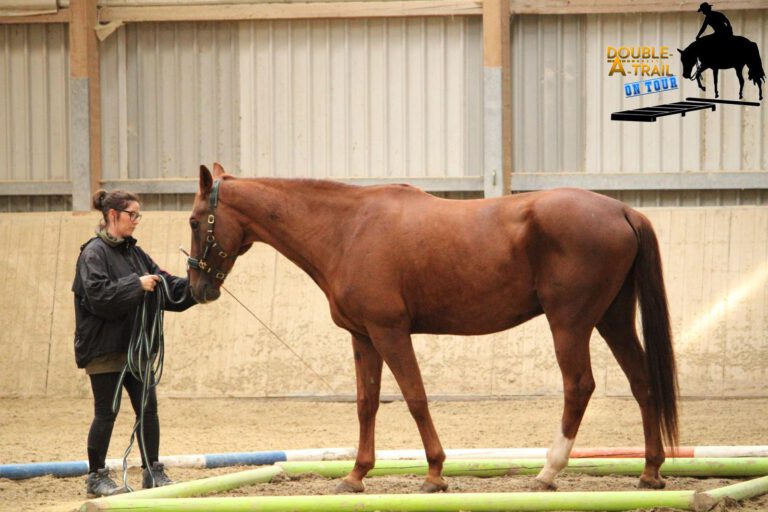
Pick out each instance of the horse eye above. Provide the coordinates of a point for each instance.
(194, 224)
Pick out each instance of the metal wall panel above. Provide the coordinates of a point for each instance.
(548, 93)
(170, 99)
(34, 71)
(375, 98)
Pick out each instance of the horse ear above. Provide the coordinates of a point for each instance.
(206, 181)
(681, 51)
(218, 170)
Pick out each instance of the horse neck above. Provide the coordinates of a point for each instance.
(301, 219)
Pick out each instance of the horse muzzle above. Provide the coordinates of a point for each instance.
(204, 293)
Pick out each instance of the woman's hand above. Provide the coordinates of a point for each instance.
(149, 281)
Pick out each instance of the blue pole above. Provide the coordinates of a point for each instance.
(63, 469)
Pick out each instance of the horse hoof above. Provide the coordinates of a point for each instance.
(349, 487)
(430, 487)
(541, 485)
(647, 483)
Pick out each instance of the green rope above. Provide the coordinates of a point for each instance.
(146, 350)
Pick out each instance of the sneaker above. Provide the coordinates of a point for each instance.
(99, 484)
(158, 472)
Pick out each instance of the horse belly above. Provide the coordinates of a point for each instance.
(475, 313)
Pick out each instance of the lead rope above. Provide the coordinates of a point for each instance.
(273, 333)
(146, 350)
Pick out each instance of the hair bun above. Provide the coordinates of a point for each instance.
(98, 199)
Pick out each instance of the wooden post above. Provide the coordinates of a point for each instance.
(84, 104)
(497, 98)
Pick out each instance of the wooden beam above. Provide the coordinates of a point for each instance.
(85, 103)
(62, 16)
(271, 11)
(612, 6)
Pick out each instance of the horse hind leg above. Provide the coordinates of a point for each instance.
(368, 366)
(714, 72)
(572, 351)
(618, 329)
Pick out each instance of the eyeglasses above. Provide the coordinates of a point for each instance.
(135, 216)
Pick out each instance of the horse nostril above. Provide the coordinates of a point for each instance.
(211, 293)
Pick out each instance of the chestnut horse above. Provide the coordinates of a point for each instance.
(393, 260)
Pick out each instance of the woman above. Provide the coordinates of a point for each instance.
(112, 276)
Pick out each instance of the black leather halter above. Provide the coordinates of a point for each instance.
(210, 240)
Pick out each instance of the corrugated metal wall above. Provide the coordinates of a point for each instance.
(362, 98)
(312, 98)
(170, 99)
(34, 69)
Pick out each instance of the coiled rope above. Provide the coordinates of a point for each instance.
(146, 350)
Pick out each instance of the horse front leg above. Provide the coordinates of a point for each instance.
(740, 76)
(698, 81)
(714, 73)
(396, 348)
(368, 365)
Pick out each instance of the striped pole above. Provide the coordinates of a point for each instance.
(444, 502)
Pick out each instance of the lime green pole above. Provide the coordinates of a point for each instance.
(704, 501)
(478, 502)
(198, 487)
(731, 467)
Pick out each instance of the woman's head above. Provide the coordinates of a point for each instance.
(120, 210)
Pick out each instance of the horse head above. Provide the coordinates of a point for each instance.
(689, 60)
(217, 237)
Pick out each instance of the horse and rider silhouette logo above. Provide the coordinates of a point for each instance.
(721, 50)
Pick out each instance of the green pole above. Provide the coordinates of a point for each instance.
(730, 467)
(478, 502)
(706, 500)
(197, 487)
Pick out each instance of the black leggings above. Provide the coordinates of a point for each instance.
(103, 386)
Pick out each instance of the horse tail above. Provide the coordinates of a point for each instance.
(657, 334)
(755, 65)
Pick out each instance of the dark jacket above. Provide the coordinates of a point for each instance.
(108, 292)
